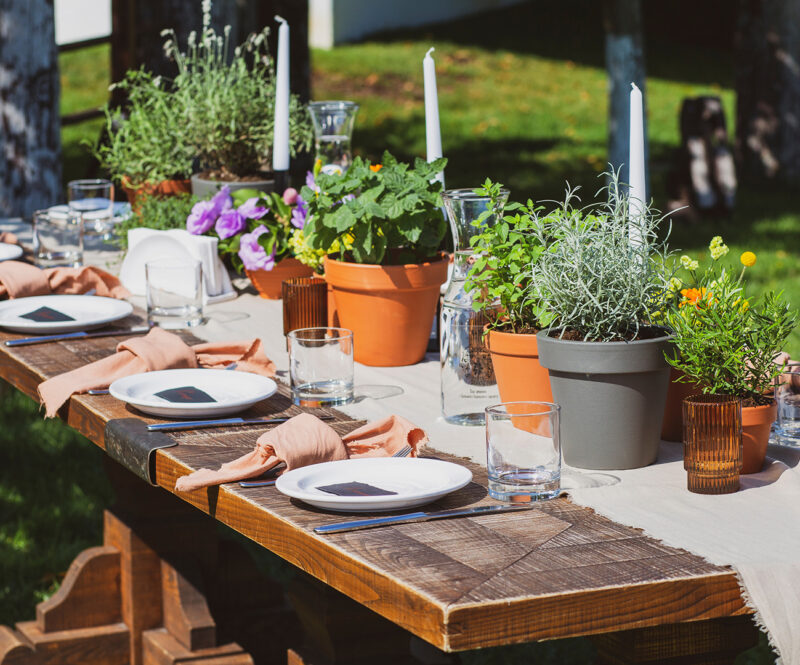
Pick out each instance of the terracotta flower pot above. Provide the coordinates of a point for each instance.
(163, 188)
(672, 428)
(520, 377)
(390, 309)
(268, 282)
(756, 423)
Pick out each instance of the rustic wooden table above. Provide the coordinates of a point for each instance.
(162, 589)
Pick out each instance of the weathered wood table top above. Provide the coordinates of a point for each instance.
(557, 571)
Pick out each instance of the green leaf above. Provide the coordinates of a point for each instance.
(341, 219)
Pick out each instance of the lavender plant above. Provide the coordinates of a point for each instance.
(228, 103)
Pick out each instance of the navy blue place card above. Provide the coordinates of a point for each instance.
(354, 488)
(46, 315)
(185, 394)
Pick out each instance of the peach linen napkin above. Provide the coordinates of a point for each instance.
(19, 280)
(305, 440)
(158, 349)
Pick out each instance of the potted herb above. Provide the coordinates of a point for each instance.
(386, 281)
(256, 232)
(500, 277)
(726, 342)
(146, 148)
(227, 102)
(602, 274)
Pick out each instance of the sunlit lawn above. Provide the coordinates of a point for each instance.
(522, 97)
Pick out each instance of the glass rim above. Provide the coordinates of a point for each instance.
(343, 333)
(468, 194)
(64, 215)
(711, 398)
(167, 262)
(89, 182)
(501, 409)
(336, 104)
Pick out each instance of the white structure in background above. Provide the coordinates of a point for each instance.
(77, 20)
(332, 22)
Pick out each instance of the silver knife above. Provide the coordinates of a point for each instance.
(41, 339)
(197, 424)
(420, 517)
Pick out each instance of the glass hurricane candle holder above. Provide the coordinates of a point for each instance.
(712, 443)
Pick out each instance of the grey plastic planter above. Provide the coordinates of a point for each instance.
(204, 189)
(612, 398)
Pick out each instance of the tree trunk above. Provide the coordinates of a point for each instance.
(30, 129)
(625, 65)
(768, 89)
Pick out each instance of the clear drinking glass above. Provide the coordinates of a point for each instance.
(712, 443)
(57, 238)
(321, 366)
(333, 130)
(174, 293)
(468, 383)
(523, 451)
(94, 200)
(787, 395)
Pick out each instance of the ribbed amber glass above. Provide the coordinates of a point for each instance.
(712, 443)
(305, 303)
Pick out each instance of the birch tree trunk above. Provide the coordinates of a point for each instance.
(625, 65)
(30, 125)
(768, 89)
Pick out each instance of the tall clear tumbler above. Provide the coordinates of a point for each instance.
(523, 451)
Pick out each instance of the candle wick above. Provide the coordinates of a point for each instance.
(634, 86)
(280, 19)
(430, 50)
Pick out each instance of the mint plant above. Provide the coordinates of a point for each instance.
(388, 213)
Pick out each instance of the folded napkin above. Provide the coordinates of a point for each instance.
(158, 349)
(305, 440)
(19, 280)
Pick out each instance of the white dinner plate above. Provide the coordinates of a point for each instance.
(415, 481)
(86, 312)
(9, 252)
(231, 391)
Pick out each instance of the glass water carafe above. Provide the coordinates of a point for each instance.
(333, 131)
(468, 382)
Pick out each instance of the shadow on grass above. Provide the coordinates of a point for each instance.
(684, 40)
(52, 493)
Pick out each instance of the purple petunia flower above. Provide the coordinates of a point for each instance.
(290, 196)
(222, 200)
(230, 223)
(253, 255)
(251, 210)
(300, 213)
(310, 182)
(205, 213)
(201, 218)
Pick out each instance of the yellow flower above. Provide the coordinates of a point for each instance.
(718, 248)
(748, 259)
(674, 284)
(687, 263)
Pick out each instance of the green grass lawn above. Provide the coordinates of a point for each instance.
(522, 96)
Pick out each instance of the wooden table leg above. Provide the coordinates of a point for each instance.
(712, 642)
(340, 631)
(143, 597)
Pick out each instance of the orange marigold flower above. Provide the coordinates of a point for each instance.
(375, 167)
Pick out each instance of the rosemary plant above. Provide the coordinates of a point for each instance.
(602, 274)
